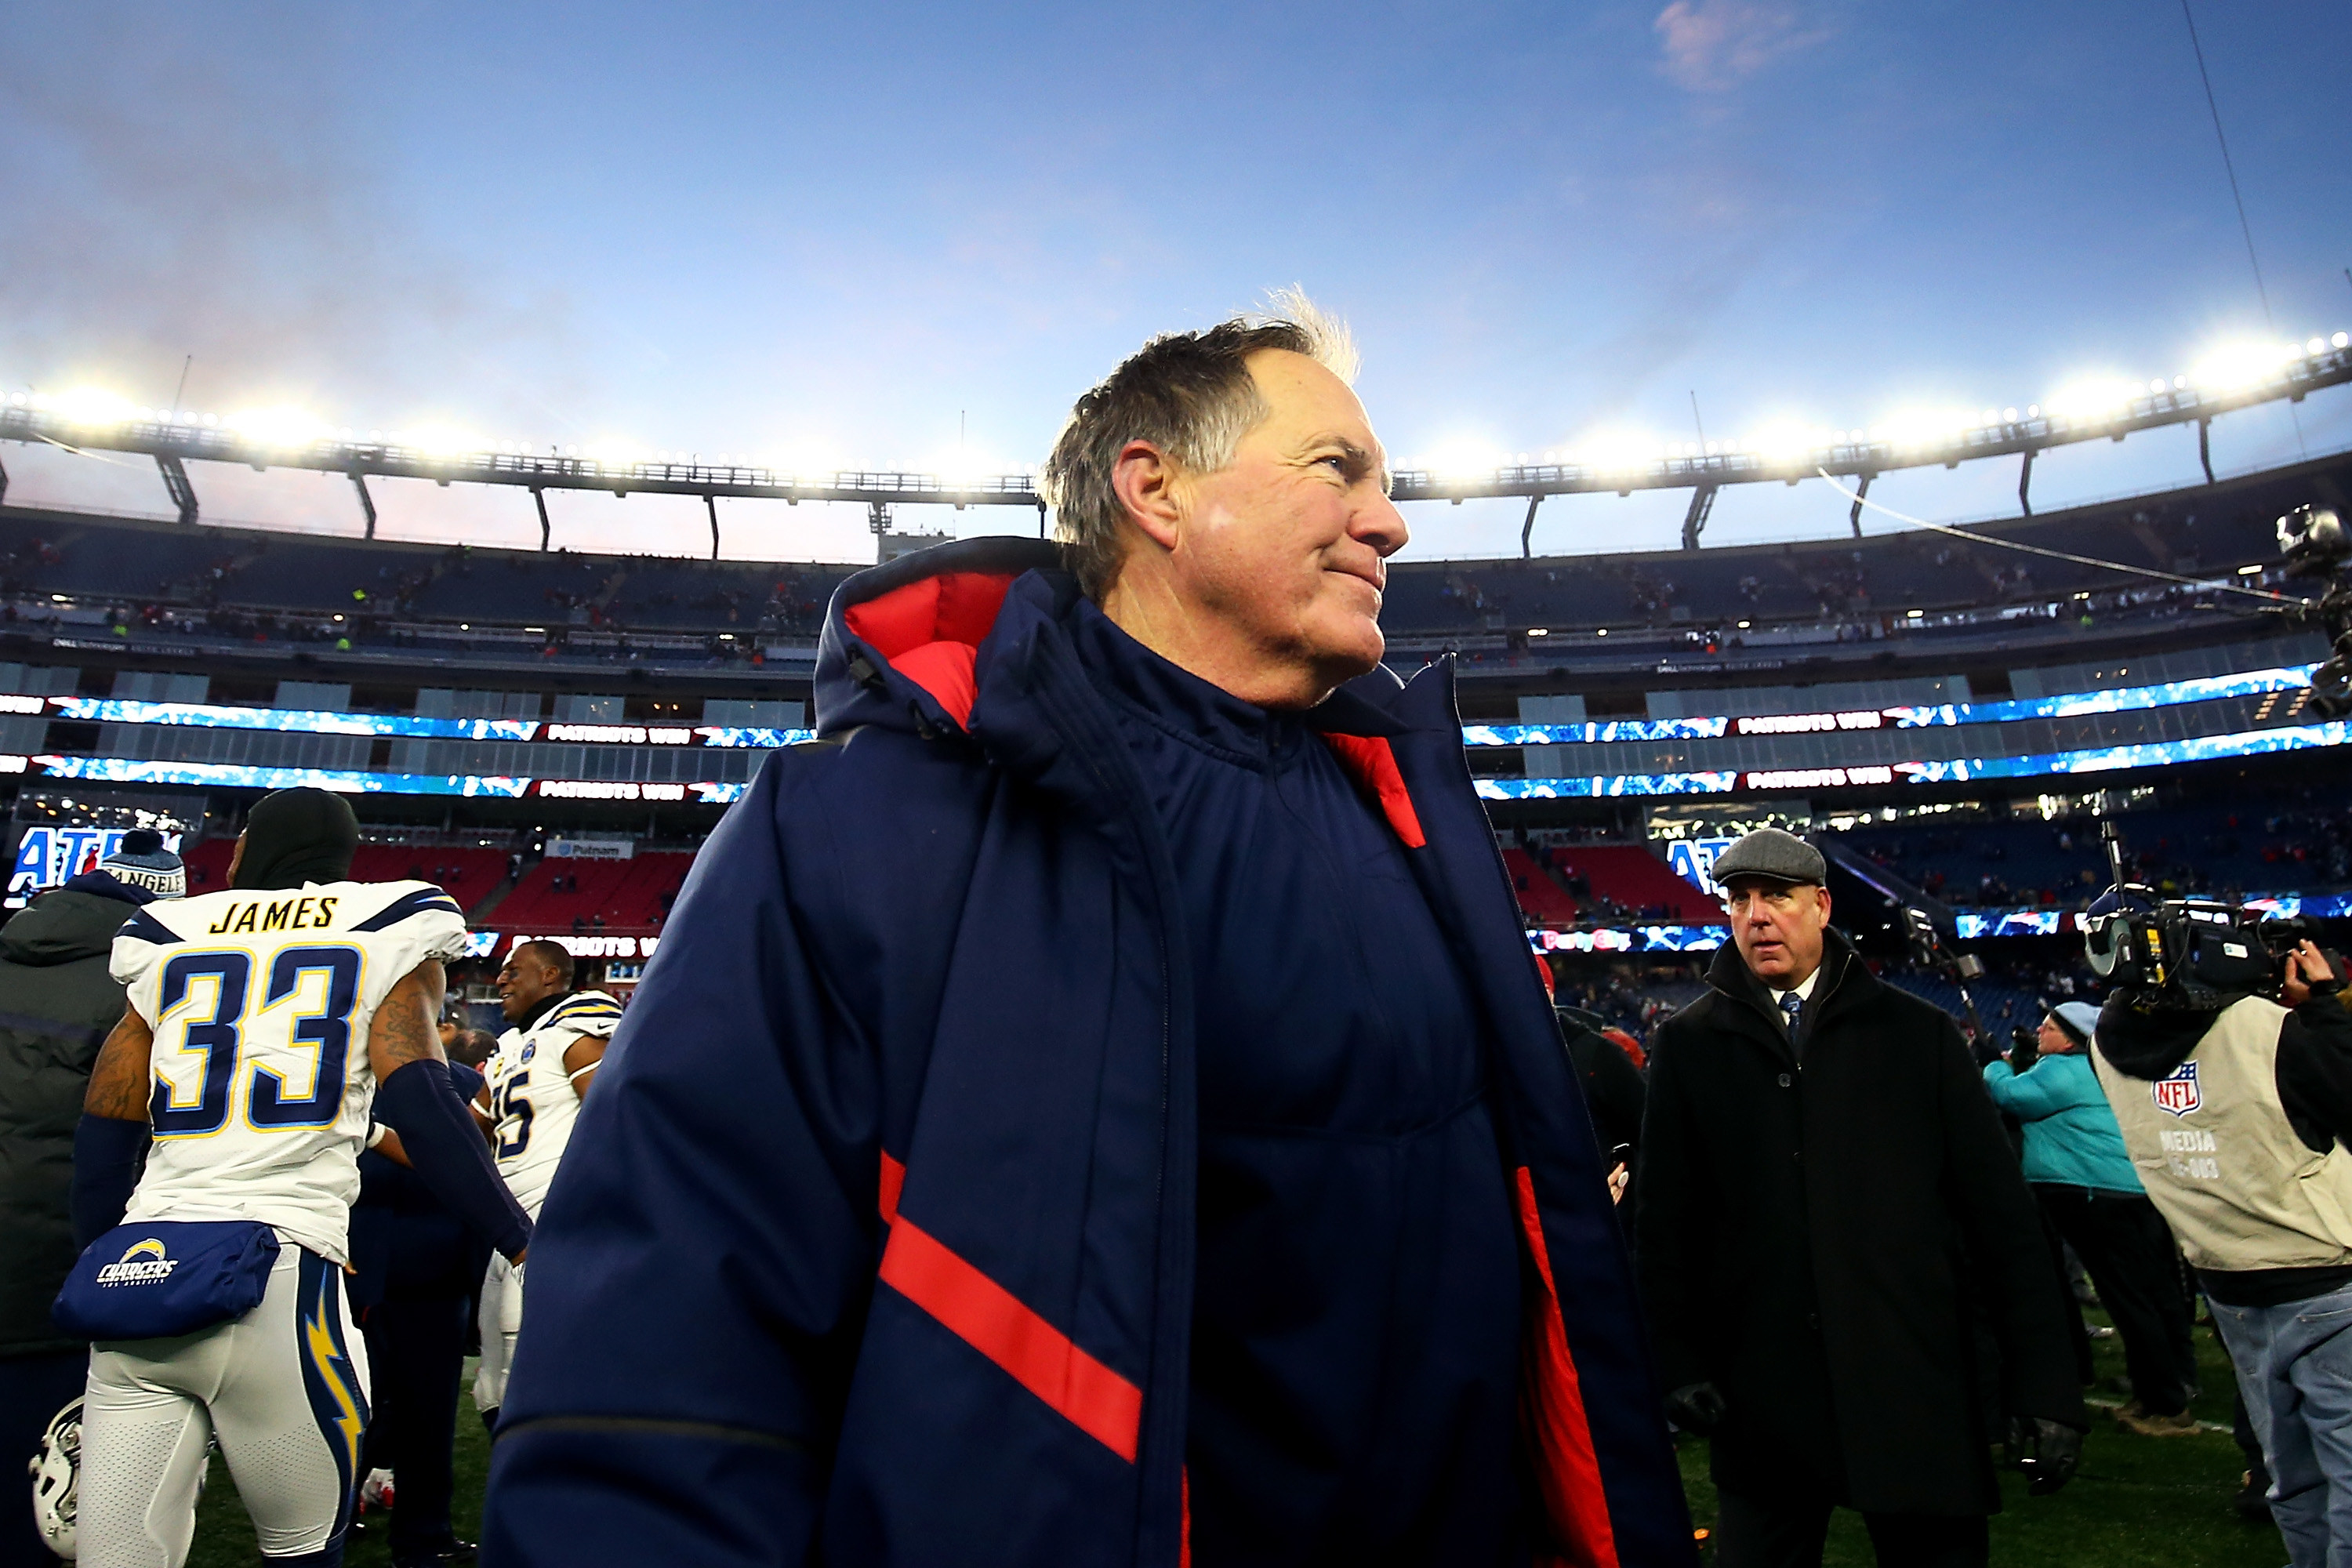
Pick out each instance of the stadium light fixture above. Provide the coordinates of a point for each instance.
(282, 427)
(2237, 365)
(2090, 400)
(1783, 441)
(95, 407)
(1618, 450)
(1913, 428)
(1466, 458)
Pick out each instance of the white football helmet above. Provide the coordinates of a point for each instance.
(56, 1477)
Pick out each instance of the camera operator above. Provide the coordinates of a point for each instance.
(2236, 1110)
(2082, 1177)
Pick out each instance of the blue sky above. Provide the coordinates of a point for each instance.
(843, 234)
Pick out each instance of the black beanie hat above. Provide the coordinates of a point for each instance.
(297, 835)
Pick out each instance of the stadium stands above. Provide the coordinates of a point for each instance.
(468, 875)
(228, 573)
(2254, 845)
(1543, 899)
(1626, 882)
(613, 897)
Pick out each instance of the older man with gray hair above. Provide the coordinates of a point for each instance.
(1094, 1105)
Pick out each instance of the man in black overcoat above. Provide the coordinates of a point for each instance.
(1825, 1199)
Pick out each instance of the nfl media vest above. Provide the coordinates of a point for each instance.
(2221, 1162)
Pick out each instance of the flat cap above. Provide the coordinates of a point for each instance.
(1769, 852)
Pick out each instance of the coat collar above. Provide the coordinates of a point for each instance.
(1845, 981)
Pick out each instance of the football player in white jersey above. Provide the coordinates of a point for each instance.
(533, 1084)
(266, 1024)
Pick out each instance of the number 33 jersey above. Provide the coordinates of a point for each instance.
(260, 1002)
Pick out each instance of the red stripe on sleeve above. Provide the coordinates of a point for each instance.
(994, 1321)
(1568, 1472)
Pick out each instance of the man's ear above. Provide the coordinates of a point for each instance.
(1144, 479)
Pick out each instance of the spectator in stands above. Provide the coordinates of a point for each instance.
(1825, 1196)
(56, 1003)
(2075, 1163)
(1247, 1155)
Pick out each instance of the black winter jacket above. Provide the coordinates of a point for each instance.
(1817, 1241)
(1614, 1091)
(57, 1006)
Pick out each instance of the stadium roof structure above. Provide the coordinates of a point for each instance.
(2250, 378)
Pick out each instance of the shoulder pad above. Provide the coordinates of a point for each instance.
(583, 1012)
(403, 901)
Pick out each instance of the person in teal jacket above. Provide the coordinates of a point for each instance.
(2075, 1163)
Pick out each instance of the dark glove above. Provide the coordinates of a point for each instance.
(2047, 1451)
(1696, 1408)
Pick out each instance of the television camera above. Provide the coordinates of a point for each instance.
(2191, 954)
(2314, 543)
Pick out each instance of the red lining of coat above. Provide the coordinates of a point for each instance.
(1372, 763)
(994, 1321)
(1551, 1402)
(931, 630)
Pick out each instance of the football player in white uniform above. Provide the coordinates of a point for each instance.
(533, 1084)
(266, 1024)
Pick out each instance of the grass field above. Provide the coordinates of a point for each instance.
(2136, 1500)
(225, 1535)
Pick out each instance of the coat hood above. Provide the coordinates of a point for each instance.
(2148, 1045)
(901, 643)
(63, 926)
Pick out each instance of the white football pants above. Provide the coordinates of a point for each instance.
(285, 1388)
(501, 1321)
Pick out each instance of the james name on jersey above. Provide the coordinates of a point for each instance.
(260, 1003)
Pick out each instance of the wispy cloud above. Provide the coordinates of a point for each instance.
(1712, 45)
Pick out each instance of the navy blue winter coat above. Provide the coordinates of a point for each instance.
(874, 1245)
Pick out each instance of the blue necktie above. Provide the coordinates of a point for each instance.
(1791, 1004)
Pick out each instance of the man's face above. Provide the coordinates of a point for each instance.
(1778, 927)
(1285, 548)
(2053, 1040)
(524, 984)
